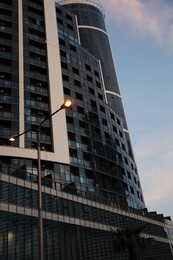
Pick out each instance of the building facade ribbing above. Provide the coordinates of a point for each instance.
(86, 151)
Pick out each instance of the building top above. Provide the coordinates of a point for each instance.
(88, 2)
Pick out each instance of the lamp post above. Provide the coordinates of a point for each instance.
(66, 104)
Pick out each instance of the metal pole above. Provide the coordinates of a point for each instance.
(40, 215)
(66, 104)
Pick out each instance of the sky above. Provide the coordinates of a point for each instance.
(141, 35)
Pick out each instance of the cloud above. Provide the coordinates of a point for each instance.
(153, 17)
(157, 188)
(153, 146)
(154, 156)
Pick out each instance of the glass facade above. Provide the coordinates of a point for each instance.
(100, 148)
(75, 226)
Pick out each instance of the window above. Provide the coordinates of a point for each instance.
(121, 134)
(73, 153)
(96, 73)
(100, 96)
(69, 17)
(104, 121)
(70, 27)
(77, 83)
(102, 109)
(135, 180)
(65, 77)
(59, 11)
(91, 90)
(120, 157)
(64, 65)
(75, 70)
(118, 121)
(84, 140)
(87, 67)
(66, 91)
(80, 109)
(93, 117)
(71, 136)
(61, 42)
(98, 84)
(112, 116)
(79, 96)
(123, 147)
(138, 195)
(132, 166)
(114, 129)
(82, 124)
(132, 189)
(87, 160)
(97, 130)
(107, 136)
(93, 103)
(126, 161)
(60, 21)
(34, 10)
(72, 47)
(89, 79)
(74, 170)
(69, 120)
(117, 142)
(63, 54)
(129, 174)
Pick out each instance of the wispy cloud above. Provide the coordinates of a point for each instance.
(154, 156)
(157, 187)
(154, 17)
(151, 19)
(154, 146)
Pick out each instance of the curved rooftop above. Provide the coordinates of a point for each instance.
(86, 2)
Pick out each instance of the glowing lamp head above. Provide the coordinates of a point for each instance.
(12, 139)
(67, 103)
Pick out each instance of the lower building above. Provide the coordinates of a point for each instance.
(75, 227)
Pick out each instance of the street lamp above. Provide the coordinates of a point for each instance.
(66, 104)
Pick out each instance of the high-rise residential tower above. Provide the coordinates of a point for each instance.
(90, 145)
(94, 38)
(51, 52)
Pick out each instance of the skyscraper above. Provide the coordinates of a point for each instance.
(39, 72)
(120, 171)
(51, 52)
